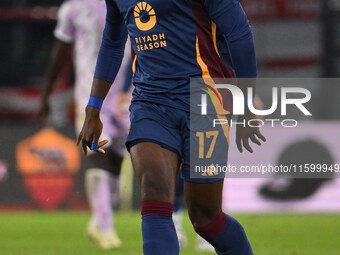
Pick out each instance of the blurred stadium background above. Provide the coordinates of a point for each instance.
(43, 209)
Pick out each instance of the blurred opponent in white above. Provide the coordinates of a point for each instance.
(78, 35)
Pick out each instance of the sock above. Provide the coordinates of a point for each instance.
(178, 222)
(178, 218)
(98, 192)
(179, 195)
(177, 208)
(114, 186)
(227, 235)
(159, 234)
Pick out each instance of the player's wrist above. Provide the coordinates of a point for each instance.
(94, 106)
(95, 102)
(92, 111)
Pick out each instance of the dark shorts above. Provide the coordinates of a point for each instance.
(170, 128)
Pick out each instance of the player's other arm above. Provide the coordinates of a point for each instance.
(235, 27)
(108, 63)
(61, 53)
(232, 21)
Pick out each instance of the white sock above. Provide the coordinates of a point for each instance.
(178, 219)
(97, 185)
(178, 222)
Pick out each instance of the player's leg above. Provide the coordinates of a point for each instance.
(178, 213)
(226, 234)
(155, 145)
(156, 170)
(102, 174)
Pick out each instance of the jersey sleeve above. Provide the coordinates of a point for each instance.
(234, 26)
(112, 48)
(64, 30)
(216, 8)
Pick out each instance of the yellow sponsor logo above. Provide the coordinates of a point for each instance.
(145, 16)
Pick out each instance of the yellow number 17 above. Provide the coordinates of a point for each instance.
(201, 138)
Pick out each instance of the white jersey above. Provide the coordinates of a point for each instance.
(82, 22)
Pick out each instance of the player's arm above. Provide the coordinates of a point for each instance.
(232, 21)
(61, 53)
(235, 27)
(108, 63)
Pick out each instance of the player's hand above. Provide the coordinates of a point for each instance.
(43, 111)
(122, 104)
(91, 131)
(244, 133)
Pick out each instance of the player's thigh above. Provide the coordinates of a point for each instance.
(204, 201)
(156, 170)
(155, 145)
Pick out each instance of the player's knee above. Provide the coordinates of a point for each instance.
(201, 215)
(154, 188)
(96, 174)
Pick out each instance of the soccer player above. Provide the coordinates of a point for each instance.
(173, 41)
(79, 31)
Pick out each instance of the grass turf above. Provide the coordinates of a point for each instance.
(62, 233)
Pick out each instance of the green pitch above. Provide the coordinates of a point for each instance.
(62, 233)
